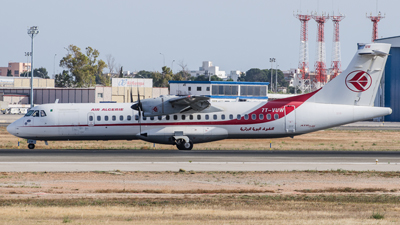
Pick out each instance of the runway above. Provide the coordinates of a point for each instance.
(15, 160)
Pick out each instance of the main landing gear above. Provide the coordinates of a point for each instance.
(31, 146)
(183, 145)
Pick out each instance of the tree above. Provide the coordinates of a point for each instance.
(38, 72)
(121, 73)
(184, 73)
(110, 63)
(9, 74)
(83, 67)
(64, 79)
(144, 74)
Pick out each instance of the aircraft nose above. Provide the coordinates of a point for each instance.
(11, 128)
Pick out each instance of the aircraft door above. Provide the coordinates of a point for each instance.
(90, 119)
(290, 118)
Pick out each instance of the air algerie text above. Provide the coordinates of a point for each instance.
(107, 109)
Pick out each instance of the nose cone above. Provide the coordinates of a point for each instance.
(11, 128)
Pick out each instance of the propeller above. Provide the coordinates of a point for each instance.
(138, 107)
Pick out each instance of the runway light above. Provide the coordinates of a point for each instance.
(376, 161)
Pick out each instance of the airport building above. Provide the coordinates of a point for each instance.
(222, 90)
(389, 93)
(16, 91)
(16, 68)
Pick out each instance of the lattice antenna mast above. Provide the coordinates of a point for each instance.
(375, 20)
(320, 63)
(336, 58)
(303, 59)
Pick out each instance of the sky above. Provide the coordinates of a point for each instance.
(142, 35)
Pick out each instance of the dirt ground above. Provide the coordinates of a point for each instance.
(367, 140)
(308, 197)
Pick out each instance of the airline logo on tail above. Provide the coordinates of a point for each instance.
(358, 81)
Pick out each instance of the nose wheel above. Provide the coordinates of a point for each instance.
(31, 146)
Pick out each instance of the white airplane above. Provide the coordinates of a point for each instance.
(187, 120)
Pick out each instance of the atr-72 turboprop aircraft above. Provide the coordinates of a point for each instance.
(187, 120)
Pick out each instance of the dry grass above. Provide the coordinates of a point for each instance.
(373, 140)
(224, 210)
(197, 191)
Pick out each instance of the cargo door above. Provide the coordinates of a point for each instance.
(290, 118)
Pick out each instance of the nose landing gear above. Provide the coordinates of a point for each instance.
(31, 144)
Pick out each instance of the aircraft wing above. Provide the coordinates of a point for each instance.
(196, 103)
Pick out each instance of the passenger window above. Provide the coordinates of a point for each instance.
(199, 117)
(36, 113)
(90, 118)
(42, 113)
(207, 117)
(114, 118)
(167, 117)
(175, 117)
(246, 116)
(121, 118)
(253, 116)
(159, 117)
(223, 116)
(268, 116)
(151, 117)
(183, 117)
(190, 117)
(106, 118)
(128, 118)
(261, 116)
(98, 118)
(231, 117)
(239, 116)
(136, 117)
(215, 116)
(276, 116)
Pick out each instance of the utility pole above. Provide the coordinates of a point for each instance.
(32, 32)
(271, 60)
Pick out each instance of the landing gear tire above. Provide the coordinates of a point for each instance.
(31, 146)
(183, 145)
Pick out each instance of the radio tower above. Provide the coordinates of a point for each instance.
(336, 61)
(303, 60)
(375, 20)
(320, 66)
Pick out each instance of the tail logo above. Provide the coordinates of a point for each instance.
(358, 81)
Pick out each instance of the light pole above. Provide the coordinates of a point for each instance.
(54, 66)
(163, 58)
(271, 60)
(276, 79)
(172, 66)
(32, 32)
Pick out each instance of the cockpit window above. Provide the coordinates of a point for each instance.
(42, 113)
(29, 113)
(36, 113)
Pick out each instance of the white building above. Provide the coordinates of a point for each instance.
(222, 90)
(209, 70)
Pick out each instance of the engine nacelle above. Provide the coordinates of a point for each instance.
(160, 106)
